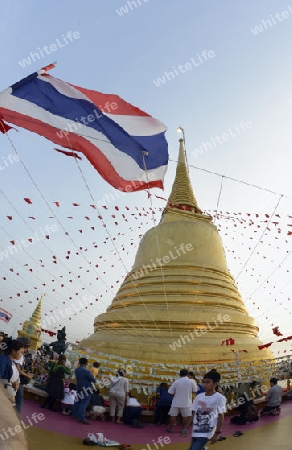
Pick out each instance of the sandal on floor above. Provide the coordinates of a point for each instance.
(184, 432)
(221, 438)
(88, 441)
(237, 433)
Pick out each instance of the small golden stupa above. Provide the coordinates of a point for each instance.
(179, 304)
(32, 327)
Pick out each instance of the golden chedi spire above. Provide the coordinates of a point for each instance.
(179, 304)
(182, 192)
(32, 327)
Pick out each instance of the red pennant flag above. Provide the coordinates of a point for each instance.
(75, 155)
(277, 332)
(260, 347)
(9, 217)
(229, 341)
(4, 127)
(161, 198)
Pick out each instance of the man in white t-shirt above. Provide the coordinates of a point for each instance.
(182, 391)
(208, 409)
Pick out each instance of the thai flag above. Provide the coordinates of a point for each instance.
(5, 315)
(125, 145)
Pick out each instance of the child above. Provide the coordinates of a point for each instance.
(208, 409)
(97, 405)
(68, 400)
(95, 369)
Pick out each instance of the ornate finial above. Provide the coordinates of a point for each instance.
(32, 327)
(182, 196)
(37, 314)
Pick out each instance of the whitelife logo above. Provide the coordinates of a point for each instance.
(220, 139)
(193, 334)
(269, 23)
(166, 259)
(48, 49)
(183, 68)
(124, 9)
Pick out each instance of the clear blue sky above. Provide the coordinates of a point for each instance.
(248, 79)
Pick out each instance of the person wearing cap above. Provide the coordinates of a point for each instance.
(23, 376)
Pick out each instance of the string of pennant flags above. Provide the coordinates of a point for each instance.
(279, 228)
(145, 376)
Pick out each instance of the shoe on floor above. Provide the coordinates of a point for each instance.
(85, 422)
(238, 433)
(221, 438)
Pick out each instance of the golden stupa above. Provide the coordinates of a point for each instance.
(32, 327)
(179, 291)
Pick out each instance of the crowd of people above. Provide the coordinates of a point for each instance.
(185, 402)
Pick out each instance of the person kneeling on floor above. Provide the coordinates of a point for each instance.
(133, 412)
(97, 406)
(274, 397)
(248, 411)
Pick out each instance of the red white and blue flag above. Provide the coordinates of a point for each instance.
(125, 145)
(5, 315)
